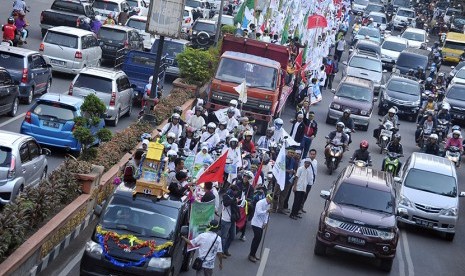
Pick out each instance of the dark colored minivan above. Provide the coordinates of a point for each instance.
(455, 96)
(412, 58)
(116, 40)
(171, 48)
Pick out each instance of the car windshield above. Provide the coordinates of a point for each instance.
(451, 12)
(378, 19)
(145, 218)
(105, 5)
(404, 87)
(361, 2)
(5, 157)
(456, 93)
(203, 26)
(460, 74)
(186, 13)
(170, 48)
(61, 39)
(431, 182)
(94, 83)
(193, 4)
(366, 63)
(368, 48)
(353, 92)
(136, 24)
(256, 75)
(406, 13)
(371, 32)
(414, 36)
(112, 34)
(394, 46)
(54, 110)
(132, 3)
(459, 21)
(11, 61)
(374, 8)
(454, 45)
(364, 197)
(412, 61)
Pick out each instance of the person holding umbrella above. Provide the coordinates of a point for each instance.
(259, 222)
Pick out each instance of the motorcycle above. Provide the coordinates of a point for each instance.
(453, 154)
(385, 135)
(391, 163)
(442, 129)
(359, 163)
(348, 132)
(440, 92)
(424, 136)
(335, 152)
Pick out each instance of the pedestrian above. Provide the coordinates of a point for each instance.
(310, 131)
(322, 77)
(245, 186)
(329, 66)
(210, 247)
(259, 222)
(209, 195)
(229, 216)
(340, 46)
(301, 180)
(123, 16)
(291, 166)
(298, 128)
(313, 172)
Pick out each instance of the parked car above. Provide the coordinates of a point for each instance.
(356, 95)
(171, 48)
(225, 19)
(428, 194)
(116, 40)
(403, 15)
(138, 23)
(105, 7)
(111, 86)
(417, 38)
(367, 33)
(455, 96)
(359, 216)
(29, 69)
(68, 49)
(390, 50)
(9, 93)
(401, 92)
(51, 121)
(366, 65)
(412, 58)
(202, 34)
(22, 164)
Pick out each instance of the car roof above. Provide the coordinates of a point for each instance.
(17, 50)
(248, 57)
(357, 81)
(62, 98)
(71, 30)
(377, 14)
(188, 8)
(396, 39)
(415, 30)
(366, 54)
(128, 191)
(118, 27)
(368, 43)
(432, 163)
(404, 8)
(8, 138)
(138, 17)
(415, 51)
(375, 4)
(116, 1)
(368, 177)
(403, 78)
(101, 72)
(175, 40)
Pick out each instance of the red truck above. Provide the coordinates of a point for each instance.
(263, 66)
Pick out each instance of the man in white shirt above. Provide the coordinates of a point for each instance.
(232, 122)
(210, 247)
(197, 121)
(209, 136)
(265, 141)
(301, 180)
(340, 46)
(174, 126)
(313, 169)
(259, 221)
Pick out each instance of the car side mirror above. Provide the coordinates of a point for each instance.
(45, 151)
(325, 194)
(344, 63)
(402, 212)
(383, 86)
(333, 91)
(452, 67)
(375, 99)
(462, 194)
(397, 180)
(98, 210)
(184, 230)
(384, 71)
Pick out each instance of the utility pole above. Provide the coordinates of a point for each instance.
(218, 24)
(154, 89)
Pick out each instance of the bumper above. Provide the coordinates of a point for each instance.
(401, 109)
(68, 143)
(172, 71)
(451, 59)
(93, 265)
(111, 113)
(112, 53)
(7, 189)
(358, 119)
(457, 116)
(24, 91)
(70, 67)
(388, 63)
(433, 221)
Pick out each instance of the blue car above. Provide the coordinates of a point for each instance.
(51, 121)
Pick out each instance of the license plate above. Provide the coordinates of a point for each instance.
(110, 47)
(424, 223)
(58, 62)
(51, 124)
(355, 240)
(386, 132)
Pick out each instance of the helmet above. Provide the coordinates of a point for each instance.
(98, 18)
(364, 144)
(278, 121)
(177, 109)
(11, 20)
(429, 79)
(370, 19)
(410, 70)
(392, 110)
(198, 108)
(456, 132)
(175, 116)
(445, 106)
(233, 140)
(420, 68)
(429, 113)
(211, 125)
(249, 174)
(347, 111)
(171, 153)
(233, 102)
(397, 136)
(456, 127)
(190, 129)
(110, 15)
(87, 20)
(231, 110)
(340, 124)
(125, 9)
(223, 123)
(434, 136)
(441, 74)
(248, 133)
(171, 135)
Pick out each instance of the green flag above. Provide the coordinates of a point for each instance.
(285, 34)
(241, 12)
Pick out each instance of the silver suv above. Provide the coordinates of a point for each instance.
(22, 163)
(366, 65)
(428, 195)
(111, 86)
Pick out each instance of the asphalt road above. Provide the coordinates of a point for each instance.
(60, 82)
(288, 243)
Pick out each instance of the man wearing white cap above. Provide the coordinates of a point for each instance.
(301, 180)
(233, 104)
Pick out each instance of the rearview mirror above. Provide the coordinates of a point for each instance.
(344, 63)
(184, 230)
(45, 151)
(452, 67)
(325, 194)
(98, 210)
(375, 99)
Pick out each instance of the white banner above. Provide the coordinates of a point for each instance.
(279, 168)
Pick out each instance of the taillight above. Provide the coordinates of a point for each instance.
(27, 119)
(78, 22)
(41, 47)
(42, 17)
(12, 171)
(24, 76)
(188, 20)
(78, 55)
(70, 90)
(113, 99)
(126, 44)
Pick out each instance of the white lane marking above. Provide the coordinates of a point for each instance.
(263, 259)
(400, 257)
(408, 257)
(12, 119)
(66, 271)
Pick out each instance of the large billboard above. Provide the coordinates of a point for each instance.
(165, 17)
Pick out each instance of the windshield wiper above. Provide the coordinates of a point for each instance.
(349, 204)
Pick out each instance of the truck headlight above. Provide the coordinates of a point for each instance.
(363, 112)
(94, 248)
(217, 96)
(386, 235)
(332, 222)
(335, 106)
(264, 106)
(451, 212)
(160, 263)
(405, 201)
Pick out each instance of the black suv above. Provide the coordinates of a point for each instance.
(455, 96)
(9, 93)
(402, 92)
(359, 216)
(116, 40)
(202, 34)
(142, 218)
(411, 58)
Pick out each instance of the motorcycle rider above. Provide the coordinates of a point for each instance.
(411, 72)
(429, 84)
(440, 79)
(85, 24)
(247, 144)
(394, 146)
(429, 105)
(243, 127)
(390, 116)
(444, 114)
(432, 146)
(234, 156)
(202, 155)
(362, 153)
(348, 122)
(178, 110)
(264, 141)
(454, 141)
(21, 24)
(172, 155)
(109, 20)
(420, 74)
(337, 137)
(196, 121)
(233, 104)
(278, 135)
(427, 124)
(123, 16)
(189, 140)
(96, 24)
(19, 6)
(170, 141)
(173, 126)
(232, 122)
(209, 136)
(9, 30)
(222, 131)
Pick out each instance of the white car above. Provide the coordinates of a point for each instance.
(417, 38)
(359, 6)
(188, 18)
(105, 7)
(391, 48)
(138, 23)
(380, 19)
(403, 15)
(225, 19)
(459, 77)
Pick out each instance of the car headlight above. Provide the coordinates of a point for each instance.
(451, 212)
(405, 201)
(385, 235)
(363, 112)
(416, 103)
(94, 248)
(194, 32)
(160, 263)
(335, 106)
(332, 222)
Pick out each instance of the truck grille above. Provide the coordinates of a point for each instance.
(359, 229)
(252, 105)
(427, 209)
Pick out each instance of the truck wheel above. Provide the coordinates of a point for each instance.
(386, 265)
(43, 31)
(320, 248)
